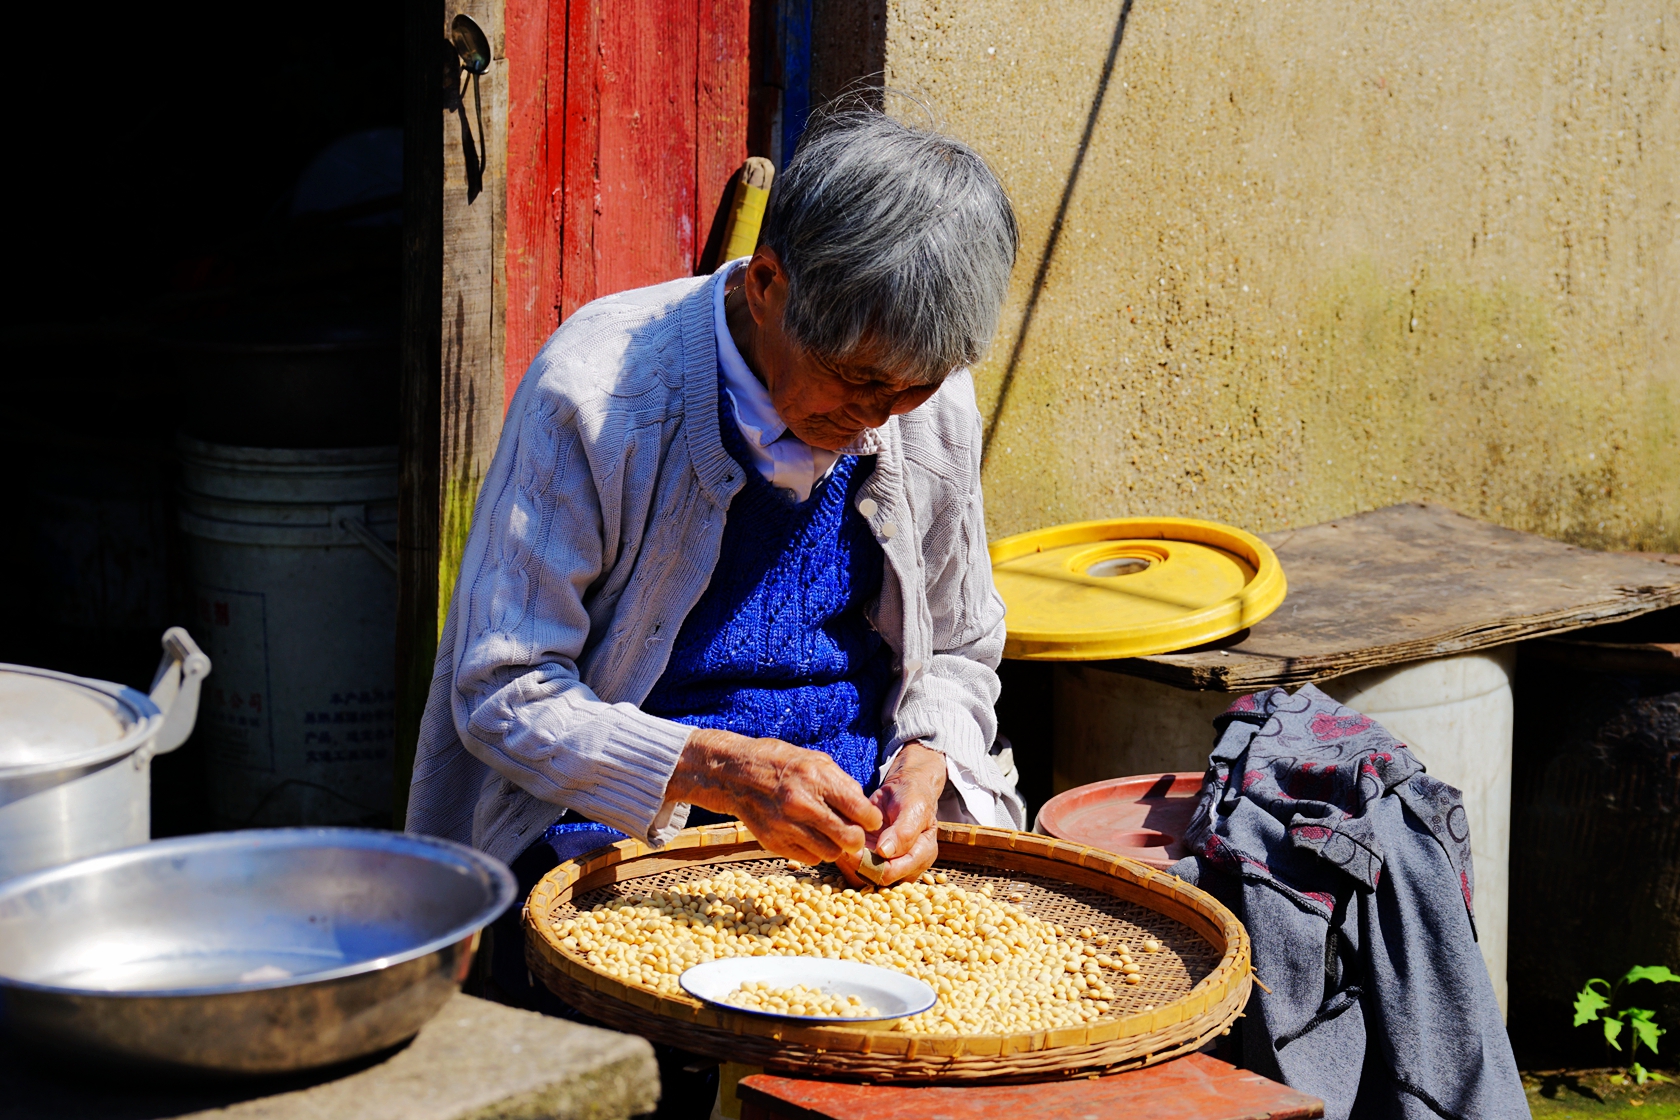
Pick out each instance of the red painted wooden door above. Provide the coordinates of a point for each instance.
(626, 119)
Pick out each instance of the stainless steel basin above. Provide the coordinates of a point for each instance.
(244, 952)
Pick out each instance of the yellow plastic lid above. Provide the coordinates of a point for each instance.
(1131, 586)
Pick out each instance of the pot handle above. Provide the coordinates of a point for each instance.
(175, 692)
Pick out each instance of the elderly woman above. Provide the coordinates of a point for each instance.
(730, 557)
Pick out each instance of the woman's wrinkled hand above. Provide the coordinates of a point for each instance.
(909, 804)
(798, 802)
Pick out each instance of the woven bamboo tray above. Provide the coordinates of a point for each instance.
(1198, 983)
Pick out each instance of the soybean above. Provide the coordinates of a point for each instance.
(996, 968)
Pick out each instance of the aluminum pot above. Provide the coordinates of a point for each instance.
(76, 756)
(253, 952)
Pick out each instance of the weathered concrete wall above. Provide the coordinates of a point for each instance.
(1323, 257)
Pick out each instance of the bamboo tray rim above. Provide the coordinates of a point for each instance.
(959, 843)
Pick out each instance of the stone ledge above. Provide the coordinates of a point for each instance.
(475, 1061)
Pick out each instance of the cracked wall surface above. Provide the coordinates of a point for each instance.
(1321, 258)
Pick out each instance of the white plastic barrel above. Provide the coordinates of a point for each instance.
(1455, 713)
(294, 586)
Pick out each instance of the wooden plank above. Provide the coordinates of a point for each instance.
(495, 186)
(1412, 582)
(644, 224)
(580, 155)
(535, 44)
(1195, 1087)
(765, 93)
(554, 178)
(723, 77)
(419, 495)
(657, 112)
(472, 305)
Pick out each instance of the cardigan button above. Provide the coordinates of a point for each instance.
(889, 530)
(867, 507)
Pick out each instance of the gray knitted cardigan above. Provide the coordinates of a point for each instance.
(595, 533)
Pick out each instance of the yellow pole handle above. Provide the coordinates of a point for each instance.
(746, 209)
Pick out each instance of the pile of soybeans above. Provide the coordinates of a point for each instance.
(756, 995)
(996, 968)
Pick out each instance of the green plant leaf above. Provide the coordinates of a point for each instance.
(1612, 1028)
(1588, 1003)
(1639, 1073)
(1655, 973)
(1664, 1078)
(1645, 1029)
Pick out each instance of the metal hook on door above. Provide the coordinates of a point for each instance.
(467, 49)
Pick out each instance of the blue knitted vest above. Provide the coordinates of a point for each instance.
(778, 646)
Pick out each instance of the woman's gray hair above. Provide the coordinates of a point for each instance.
(895, 234)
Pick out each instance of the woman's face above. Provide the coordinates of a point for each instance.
(826, 404)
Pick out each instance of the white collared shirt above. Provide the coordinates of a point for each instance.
(788, 462)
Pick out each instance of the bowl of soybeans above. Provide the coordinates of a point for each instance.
(812, 989)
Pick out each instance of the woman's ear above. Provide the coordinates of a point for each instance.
(765, 286)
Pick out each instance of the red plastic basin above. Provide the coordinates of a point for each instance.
(1142, 817)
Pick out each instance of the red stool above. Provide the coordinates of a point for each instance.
(1195, 1087)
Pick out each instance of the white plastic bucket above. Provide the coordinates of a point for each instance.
(294, 588)
(1455, 713)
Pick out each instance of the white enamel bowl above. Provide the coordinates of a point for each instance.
(893, 994)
